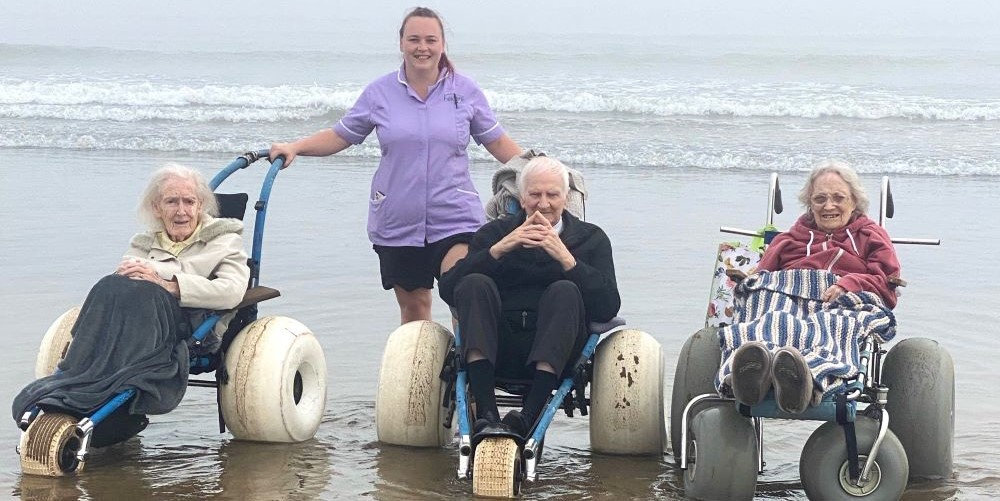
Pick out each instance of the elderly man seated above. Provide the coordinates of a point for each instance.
(526, 292)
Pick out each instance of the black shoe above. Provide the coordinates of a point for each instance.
(481, 424)
(485, 420)
(488, 425)
(518, 423)
(119, 426)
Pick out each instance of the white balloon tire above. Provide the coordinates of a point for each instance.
(626, 406)
(55, 343)
(408, 408)
(258, 402)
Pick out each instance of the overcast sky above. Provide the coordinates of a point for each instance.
(123, 22)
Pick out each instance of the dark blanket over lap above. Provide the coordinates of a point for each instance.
(130, 334)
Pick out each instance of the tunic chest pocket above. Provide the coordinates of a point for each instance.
(463, 117)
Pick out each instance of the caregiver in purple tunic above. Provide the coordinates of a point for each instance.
(423, 206)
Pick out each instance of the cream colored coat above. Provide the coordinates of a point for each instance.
(212, 272)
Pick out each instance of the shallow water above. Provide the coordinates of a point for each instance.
(69, 214)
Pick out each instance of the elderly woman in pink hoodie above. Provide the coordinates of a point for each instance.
(854, 255)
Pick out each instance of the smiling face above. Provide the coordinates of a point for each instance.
(422, 43)
(543, 192)
(178, 208)
(831, 202)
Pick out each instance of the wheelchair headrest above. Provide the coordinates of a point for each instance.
(233, 205)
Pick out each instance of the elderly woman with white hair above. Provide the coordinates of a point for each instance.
(854, 257)
(134, 327)
(526, 292)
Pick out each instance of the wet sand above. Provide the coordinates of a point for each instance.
(69, 215)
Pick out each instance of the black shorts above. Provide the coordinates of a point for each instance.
(415, 267)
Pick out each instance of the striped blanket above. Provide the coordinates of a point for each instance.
(784, 308)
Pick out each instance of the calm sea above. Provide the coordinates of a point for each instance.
(676, 138)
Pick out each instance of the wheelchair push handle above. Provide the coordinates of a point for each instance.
(774, 205)
(242, 162)
(887, 209)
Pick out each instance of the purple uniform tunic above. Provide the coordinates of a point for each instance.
(422, 191)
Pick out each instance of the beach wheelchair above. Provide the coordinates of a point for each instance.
(859, 452)
(270, 373)
(617, 380)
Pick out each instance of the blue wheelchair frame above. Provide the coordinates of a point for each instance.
(85, 427)
(530, 448)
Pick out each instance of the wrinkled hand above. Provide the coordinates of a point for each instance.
(282, 150)
(535, 232)
(832, 293)
(139, 270)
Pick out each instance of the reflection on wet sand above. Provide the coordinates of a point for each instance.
(240, 470)
(416, 473)
(273, 471)
(112, 472)
(32, 488)
(644, 480)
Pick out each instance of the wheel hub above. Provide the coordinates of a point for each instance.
(692, 456)
(865, 488)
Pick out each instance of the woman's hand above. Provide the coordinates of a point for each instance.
(832, 293)
(286, 150)
(137, 269)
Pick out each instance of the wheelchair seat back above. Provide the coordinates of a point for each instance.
(731, 256)
(232, 205)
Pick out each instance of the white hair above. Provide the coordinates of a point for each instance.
(543, 164)
(151, 195)
(846, 173)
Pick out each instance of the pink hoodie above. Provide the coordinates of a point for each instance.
(861, 253)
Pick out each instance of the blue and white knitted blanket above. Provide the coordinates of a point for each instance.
(784, 308)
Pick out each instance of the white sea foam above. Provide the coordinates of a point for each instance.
(593, 158)
(924, 114)
(135, 101)
(126, 101)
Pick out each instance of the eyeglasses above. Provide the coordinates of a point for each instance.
(821, 199)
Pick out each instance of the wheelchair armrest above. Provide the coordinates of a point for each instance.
(256, 295)
(602, 327)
